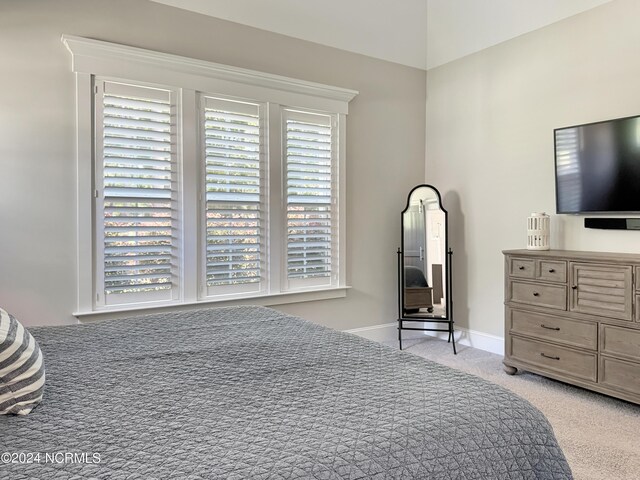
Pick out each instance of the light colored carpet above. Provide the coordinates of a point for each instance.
(600, 435)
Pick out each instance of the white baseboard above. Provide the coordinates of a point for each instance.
(475, 339)
(388, 332)
(385, 332)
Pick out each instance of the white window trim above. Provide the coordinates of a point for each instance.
(266, 300)
(97, 58)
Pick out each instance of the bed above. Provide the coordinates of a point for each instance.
(251, 393)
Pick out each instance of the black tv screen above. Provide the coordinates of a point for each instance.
(598, 167)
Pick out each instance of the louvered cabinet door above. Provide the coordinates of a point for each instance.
(601, 290)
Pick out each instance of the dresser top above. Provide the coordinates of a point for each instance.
(576, 254)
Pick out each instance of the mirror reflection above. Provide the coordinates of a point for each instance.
(424, 255)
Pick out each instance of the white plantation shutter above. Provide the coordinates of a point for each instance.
(311, 241)
(136, 200)
(234, 204)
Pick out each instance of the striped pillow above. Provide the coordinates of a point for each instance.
(21, 368)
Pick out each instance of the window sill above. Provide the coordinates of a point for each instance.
(264, 300)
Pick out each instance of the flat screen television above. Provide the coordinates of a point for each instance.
(598, 167)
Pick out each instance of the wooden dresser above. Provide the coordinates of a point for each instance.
(575, 317)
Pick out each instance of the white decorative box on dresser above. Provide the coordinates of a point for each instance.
(575, 317)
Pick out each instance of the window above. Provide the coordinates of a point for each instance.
(234, 200)
(136, 195)
(310, 197)
(200, 182)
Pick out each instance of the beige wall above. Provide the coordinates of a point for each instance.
(490, 121)
(385, 150)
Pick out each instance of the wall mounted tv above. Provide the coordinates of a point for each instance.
(598, 167)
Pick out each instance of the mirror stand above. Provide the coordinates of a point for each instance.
(414, 318)
(424, 265)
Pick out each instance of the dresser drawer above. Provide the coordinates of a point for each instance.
(620, 341)
(561, 360)
(620, 375)
(522, 267)
(550, 296)
(552, 271)
(548, 327)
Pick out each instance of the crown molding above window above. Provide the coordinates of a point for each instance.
(98, 58)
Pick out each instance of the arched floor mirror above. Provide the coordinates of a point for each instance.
(424, 265)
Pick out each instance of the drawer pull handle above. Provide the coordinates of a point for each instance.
(575, 287)
(536, 294)
(557, 329)
(520, 267)
(549, 356)
(552, 270)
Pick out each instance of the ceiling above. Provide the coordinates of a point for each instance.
(461, 27)
(418, 33)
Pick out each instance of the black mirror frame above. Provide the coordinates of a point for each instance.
(425, 317)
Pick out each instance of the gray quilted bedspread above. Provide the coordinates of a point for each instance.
(251, 393)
